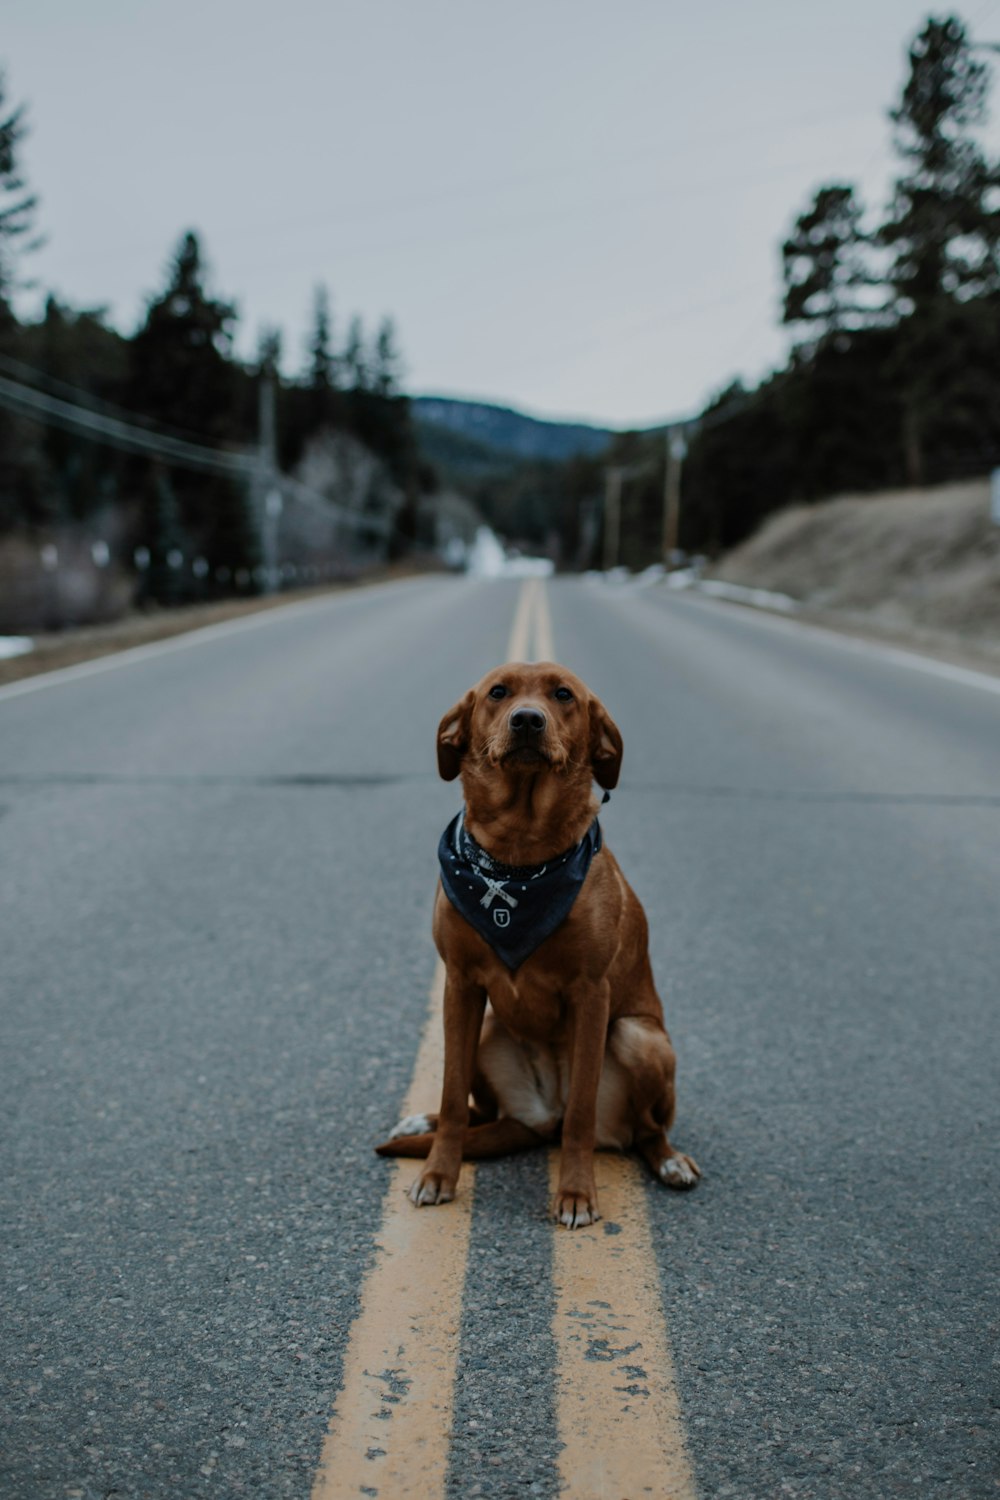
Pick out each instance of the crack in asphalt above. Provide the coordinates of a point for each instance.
(765, 794)
(376, 779)
(298, 779)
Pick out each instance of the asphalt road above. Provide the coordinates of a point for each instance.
(215, 884)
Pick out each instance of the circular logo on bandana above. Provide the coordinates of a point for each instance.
(501, 916)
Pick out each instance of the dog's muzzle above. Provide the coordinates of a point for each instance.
(526, 736)
(525, 722)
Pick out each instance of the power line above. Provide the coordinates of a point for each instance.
(42, 379)
(72, 417)
(246, 464)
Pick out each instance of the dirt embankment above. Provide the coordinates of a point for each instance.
(916, 565)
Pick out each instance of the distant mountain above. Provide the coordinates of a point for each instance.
(460, 458)
(476, 435)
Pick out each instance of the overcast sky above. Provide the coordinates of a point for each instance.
(569, 206)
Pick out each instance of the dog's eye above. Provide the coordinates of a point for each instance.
(563, 694)
(498, 691)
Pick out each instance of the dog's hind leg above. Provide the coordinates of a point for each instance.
(407, 1143)
(491, 1138)
(672, 1167)
(427, 1124)
(642, 1047)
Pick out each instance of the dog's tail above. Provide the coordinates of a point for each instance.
(496, 1138)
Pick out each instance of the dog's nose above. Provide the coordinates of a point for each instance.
(530, 719)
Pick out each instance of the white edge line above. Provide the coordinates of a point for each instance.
(899, 655)
(185, 638)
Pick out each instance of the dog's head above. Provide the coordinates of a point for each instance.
(532, 719)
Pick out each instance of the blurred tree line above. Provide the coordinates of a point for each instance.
(893, 379)
(177, 373)
(895, 375)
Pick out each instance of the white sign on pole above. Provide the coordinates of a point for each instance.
(995, 497)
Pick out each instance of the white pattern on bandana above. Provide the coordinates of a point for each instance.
(494, 888)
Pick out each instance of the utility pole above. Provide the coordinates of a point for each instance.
(676, 454)
(614, 477)
(612, 514)
(267, 493)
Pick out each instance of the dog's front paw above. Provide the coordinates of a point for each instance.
(679, 1171)
(432, 1187)
(576, 1209)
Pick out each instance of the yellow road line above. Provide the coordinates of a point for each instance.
(617, 1409)
(531, 634)
(391, 1424)
(544, 648)
(520, 633)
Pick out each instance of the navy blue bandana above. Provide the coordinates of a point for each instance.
(514, 907)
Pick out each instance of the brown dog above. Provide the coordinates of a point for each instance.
(573, 1035)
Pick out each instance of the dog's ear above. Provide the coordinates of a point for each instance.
(605, 746)
(453, 737)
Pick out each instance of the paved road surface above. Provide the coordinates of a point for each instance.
(217, 864)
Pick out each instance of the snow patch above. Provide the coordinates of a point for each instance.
(762, 598)
(15, 645)
(488, 558)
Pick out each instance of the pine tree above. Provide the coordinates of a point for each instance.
(181, 370)
(23, 490)
(355, 357)
(322, 406)
(943, 231)
(386, 372)
(183, 377)
(168, 570)
(17, 205)
(322, 366)
(826, 264)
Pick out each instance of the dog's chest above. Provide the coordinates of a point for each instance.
(526, 1004)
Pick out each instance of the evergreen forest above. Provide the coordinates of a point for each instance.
(894, 375)
(162, 465)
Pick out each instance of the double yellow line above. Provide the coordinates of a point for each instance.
(531, 632)
(617, 1410)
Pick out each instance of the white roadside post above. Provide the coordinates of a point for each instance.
(273, 506)
(995, 497)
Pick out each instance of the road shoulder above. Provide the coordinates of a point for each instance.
(970, 655)
(70, 648)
